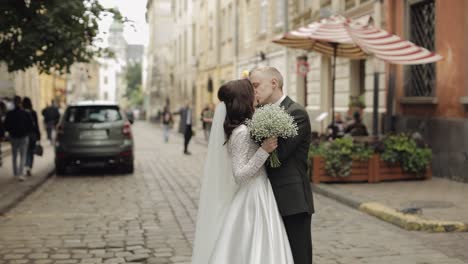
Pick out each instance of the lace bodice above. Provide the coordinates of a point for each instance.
(247, 157)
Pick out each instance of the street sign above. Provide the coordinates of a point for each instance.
(302, 68)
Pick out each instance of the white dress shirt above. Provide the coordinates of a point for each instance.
(280, 100)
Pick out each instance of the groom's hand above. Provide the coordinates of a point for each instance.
(270, 144)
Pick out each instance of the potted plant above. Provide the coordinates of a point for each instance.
(341, 160)
(396, 157)
(356, 104)
(403, 157)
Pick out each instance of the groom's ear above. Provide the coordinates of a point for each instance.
(274, 83)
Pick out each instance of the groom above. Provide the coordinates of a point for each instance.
(290, 182)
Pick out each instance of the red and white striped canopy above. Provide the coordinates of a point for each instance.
(356, 39)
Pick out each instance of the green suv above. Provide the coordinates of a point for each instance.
(94, 133)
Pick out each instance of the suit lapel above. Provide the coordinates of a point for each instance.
(287, 102)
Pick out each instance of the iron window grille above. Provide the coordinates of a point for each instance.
(420, 79)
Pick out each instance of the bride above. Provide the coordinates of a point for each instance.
(238, 220)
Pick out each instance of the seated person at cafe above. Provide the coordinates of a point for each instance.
(337, 128)
(357, 128)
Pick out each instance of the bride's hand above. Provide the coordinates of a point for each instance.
(270, 144)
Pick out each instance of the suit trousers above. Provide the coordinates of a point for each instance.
(187, 137)
(300, 237)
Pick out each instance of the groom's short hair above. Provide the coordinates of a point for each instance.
(271, 71)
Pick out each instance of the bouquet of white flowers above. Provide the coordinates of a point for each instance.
(271, 121)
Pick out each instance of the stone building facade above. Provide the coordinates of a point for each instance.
(433, 99)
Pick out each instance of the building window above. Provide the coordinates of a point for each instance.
(325, 3)
(357, 78)
(420, 79)
(247, 26)
(350, 4)
(194, 38)
(362, 77)
(230, 22)
(181, 47)
(105, 79)
(211, 33)
(224, 23)
(185, 46)
(263, 16)
(280, 9)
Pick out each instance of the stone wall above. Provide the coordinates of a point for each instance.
(447, 138)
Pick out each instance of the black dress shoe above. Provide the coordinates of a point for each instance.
(187, 153)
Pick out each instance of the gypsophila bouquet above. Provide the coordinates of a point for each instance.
(271, 121)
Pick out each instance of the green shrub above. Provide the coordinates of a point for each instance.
(404, 150)
(340, 154)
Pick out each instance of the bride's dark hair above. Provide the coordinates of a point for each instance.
(239, 96)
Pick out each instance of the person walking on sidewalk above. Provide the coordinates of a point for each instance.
(3, 111)
(18, 124)
(34, 135)
(185, 125)
(167, 122)
(207, 119)
(51, 116)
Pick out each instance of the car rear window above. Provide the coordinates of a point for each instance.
(92, 114)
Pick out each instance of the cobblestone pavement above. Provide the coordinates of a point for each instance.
(99, 216)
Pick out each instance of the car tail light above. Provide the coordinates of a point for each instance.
(126, 130)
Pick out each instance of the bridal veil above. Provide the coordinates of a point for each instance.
(217, 190)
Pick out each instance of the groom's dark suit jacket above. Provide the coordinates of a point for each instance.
(290, 181)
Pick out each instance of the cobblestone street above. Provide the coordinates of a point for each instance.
(99, 216)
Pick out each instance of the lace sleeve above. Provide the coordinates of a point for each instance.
(243, 166)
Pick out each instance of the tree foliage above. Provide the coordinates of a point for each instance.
(134, 80)
(51, 34)
(133, 76)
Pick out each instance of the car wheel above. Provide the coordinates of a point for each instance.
(129, 168)
(60, 169)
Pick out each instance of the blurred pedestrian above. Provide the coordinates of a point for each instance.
(34, 135)
(337, 128)
(356, 128)
(18, 124)
(207, 119)
(185, 124)
(3, 111)
(51, 117)
(167, 121)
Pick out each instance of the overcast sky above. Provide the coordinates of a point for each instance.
(132, 9)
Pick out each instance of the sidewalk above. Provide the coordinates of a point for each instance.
(11, 190)
(6, 149)
(436, 205)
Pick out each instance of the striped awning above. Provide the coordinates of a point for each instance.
(356, 39)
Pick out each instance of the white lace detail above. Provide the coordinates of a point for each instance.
(247, 157)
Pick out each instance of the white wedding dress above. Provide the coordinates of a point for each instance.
(253, 230)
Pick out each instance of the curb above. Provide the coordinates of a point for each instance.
(390, 215)
(6, 206)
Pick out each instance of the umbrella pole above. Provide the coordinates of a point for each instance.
(375, 117)
(390, 94)
(333, 81)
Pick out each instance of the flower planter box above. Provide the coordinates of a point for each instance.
(386, 172)
(361, 171)
(372, 171)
